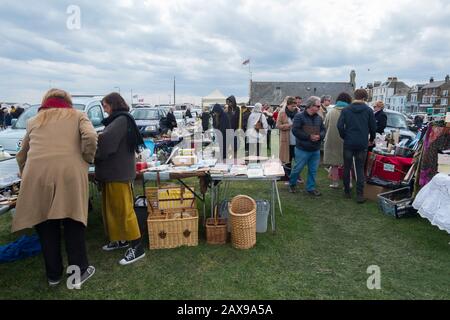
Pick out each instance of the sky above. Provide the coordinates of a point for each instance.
(138, 47)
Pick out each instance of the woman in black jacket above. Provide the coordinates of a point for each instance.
(115, 169)
(380, 117)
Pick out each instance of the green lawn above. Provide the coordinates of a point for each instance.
(321, 250)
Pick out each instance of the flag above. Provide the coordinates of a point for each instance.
(246, 62)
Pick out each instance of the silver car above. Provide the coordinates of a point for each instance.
(11, 138)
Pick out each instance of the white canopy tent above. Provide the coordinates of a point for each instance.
(214, 97)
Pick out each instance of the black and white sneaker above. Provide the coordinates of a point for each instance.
(53, 283)
(133, 255)
(85, 276)
(115, 245)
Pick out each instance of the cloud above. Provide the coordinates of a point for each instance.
(142, 45)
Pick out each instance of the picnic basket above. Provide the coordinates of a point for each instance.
(173, 228)
(242, 211)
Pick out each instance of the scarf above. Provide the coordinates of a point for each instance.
(291, 114)
(134, 138)
(341, 104)
(55, 102)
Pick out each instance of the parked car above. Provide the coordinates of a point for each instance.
(11, 139)
(148, 119)
(397, 121)
(179, 115)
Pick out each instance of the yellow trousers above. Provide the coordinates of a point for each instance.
(118, 212)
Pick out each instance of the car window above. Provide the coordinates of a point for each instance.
(25, 116)
(396, 121)
(145, 114)
(95, 114)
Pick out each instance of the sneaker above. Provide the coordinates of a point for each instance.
(85, 276)
(292, 189)
(133, 255)
(314, 193)
(53, 283)
(334, 185)
(360, 199)
(114, 245)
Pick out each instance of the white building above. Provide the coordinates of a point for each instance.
(390, 92)
(398, 102)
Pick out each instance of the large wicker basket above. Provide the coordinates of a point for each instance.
(161, 199)
(216, 230)
(176, 228)
(243, 222)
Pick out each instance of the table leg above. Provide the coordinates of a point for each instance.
(278, 196)
(272, 206)
(213, 187)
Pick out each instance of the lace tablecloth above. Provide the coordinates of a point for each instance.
(433, 202)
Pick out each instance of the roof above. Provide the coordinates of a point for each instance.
(216, 94)
(434, 84)
(273, 93)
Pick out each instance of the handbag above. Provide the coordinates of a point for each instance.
(258, 124)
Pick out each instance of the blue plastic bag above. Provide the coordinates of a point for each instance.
(24, 247)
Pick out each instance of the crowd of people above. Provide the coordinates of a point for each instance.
(7, 115)
(59, 145)
(345, 133)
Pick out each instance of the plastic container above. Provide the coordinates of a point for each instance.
(262, 214)
(397, 203)
(140, 207)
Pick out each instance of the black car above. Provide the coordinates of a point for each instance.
(148, 120)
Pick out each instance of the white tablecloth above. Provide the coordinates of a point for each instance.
(433, 202)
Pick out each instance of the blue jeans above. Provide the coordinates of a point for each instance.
(303, 158)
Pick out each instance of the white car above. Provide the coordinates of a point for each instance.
(11, 138)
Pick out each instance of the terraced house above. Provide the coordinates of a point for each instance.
(435, 97)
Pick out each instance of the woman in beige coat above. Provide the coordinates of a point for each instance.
(59, 144)
(334, 145)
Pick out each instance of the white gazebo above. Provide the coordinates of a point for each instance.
(214, 97)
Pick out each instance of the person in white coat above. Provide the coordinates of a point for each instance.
(257, 127)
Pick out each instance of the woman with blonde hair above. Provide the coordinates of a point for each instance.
(54, 159)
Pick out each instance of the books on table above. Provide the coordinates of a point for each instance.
(255, 170)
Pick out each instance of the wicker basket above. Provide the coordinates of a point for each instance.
(216, 230)
(174, 230)
(161, 199)
(242, 211)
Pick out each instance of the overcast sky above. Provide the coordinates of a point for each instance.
(142, 45)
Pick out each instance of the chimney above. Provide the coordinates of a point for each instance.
(431, 80)
(447, 79)
(394, 79)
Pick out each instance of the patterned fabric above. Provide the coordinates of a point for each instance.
(436, 139)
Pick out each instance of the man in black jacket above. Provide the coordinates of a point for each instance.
(357, 127)
(309, 132)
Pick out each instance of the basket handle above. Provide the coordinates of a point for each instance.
(216, 215)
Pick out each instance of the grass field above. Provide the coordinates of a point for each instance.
(321, 250)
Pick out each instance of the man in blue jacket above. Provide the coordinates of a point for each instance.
(309, 131)
(357, 127)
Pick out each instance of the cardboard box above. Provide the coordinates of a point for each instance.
(371, 191)
(184, 160)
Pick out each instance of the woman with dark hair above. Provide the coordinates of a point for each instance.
(334, 145)
(115, 168)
